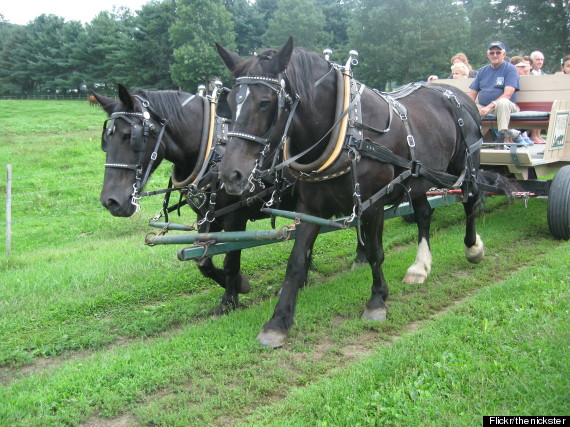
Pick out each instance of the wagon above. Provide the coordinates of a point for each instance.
(545, 104)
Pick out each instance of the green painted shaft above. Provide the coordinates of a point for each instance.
(172, 226)
(219, 237)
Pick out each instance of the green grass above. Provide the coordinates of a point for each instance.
(502, 352)
(96, 326)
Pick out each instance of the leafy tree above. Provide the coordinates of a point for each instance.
(100, 56)
(337, 19)
(200, 23)
(149, 52)
(406, 41)
(35, 53)
(8, 42)
(249, 25)
(543, 26)
(267, 8)
(300, 18)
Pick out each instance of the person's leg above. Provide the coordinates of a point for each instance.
(536, 138)
(503, 110)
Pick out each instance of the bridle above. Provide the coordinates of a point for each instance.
(138, 142)
(277, 85)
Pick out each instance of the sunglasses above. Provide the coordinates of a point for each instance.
(495, 52)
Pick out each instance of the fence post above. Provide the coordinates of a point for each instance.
(9, 210)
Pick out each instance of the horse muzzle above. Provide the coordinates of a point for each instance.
(118, 206)
(235, 183)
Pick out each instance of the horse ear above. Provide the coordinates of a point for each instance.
(230, 59)
(126, 98)
(281, 59)
(107, 104)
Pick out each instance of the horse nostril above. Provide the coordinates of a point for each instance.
(111, 204)
(236, 176)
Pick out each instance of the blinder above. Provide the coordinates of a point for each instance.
(137, 137)
(138, 132)
(223, 108)
(108, 129)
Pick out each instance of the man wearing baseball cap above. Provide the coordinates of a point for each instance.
(494, 89)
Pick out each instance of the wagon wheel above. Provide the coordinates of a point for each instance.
(558, 213)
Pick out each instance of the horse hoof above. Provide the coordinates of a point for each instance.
(219, 311)
(244, 286)
(271, 339)
(223, 309)
(414, 278)
(475, 253)
(378, 314)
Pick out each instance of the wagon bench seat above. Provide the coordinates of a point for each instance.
(532, 115)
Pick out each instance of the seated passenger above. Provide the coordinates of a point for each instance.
(459, 71)
(462, 58)
(494, 88)
(522, 66)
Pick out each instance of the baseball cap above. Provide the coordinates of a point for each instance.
(498, 44)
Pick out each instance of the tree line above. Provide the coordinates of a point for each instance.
(169, 44)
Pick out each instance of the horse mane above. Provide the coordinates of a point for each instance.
(167, 105)
(302, 71)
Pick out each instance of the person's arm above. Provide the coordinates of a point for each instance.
(507, 94)
(473, 94)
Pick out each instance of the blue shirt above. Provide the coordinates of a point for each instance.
(491, 82)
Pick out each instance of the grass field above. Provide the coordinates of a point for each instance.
(97, 329)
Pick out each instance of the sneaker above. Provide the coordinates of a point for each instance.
(521, 141)
(513, 133)
(499, 137)
(526, 139)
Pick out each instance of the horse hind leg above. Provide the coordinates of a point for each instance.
(474, 247)
(236, 283)
(360, 257)
(218, 275)
(420, 269)
(376, 308)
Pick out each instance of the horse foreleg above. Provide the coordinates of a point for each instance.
(236, 283)
(275, 331)
(209, 270)
(419, 270)
(372, 229)
(474, 247)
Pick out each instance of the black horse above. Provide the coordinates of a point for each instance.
(396, 148)
(174, 125)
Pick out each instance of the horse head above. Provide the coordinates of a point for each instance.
(128, 139)
(255, 104)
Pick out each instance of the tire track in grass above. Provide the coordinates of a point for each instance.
(205, 297)
(338, 352)
(306, 335)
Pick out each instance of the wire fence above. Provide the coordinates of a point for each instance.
(19, 199)
(70, 97)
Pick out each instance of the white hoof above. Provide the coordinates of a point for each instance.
(378, 314)
(414, 277)
(271, 339)
(419, 270)
(476, 252)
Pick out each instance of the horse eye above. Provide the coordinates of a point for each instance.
(264, 105)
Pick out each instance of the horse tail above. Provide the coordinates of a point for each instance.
(499, 183)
